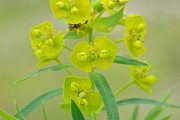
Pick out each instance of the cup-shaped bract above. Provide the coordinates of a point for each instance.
(75, 11)
(141, 78)
(46, 44)
(134, 37)
(100, 54)
(81, 90)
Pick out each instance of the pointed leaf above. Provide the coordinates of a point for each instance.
(53, 68)
(6, 116)
(20, 117)
(168, 117)
(36, 102)
(107, 95)
(124, 60)
(106, 24)
(76, 113)
(155, 111)
(44, 112)
(134, 115)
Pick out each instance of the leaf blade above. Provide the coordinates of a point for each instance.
(134, 114)
(6, 116)
(107, 95)
(106, 24)
(128, 61)
(76, 113)
(53, 68)
(33, 104)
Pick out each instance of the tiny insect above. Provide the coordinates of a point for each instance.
(75, 26)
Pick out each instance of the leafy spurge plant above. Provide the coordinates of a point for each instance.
(83, 95)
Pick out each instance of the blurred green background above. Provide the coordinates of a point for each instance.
(17, 58)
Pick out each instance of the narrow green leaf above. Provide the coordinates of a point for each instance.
(107, 95)
(134, 115)
(168, 117)
(44, 112)
(53, 68)
(76, 113)
(77, 33)
(36, 102)
(6, 116)
(143, 101)
(20, 117)
(106, 24)
(155, 111)
(128, 61)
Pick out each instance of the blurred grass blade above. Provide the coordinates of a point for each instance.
(168, 117)
(143, 101)
(53, 68)
(107, 95)
(36, 102)
(6, 116)
(124, 60)
(155, 111)
(134, 115)
(44, 112)
(20, 117)
(76, 113)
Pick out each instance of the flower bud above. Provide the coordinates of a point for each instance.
(75, 87)
(150, 80)
(111, 4)
(36, 32)
(83, 102)
(60, 5)
(103, 54)
(38, 53)
(49, 42)
(82, 56)
(138, 44)
(82, 95)
(74, 10)
(140, 28)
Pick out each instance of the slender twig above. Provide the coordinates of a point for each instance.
(68, 48)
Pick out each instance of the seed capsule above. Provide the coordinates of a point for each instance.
(60, 5)
(75, 87)
(103, 54)
(82, 56)
(92, 57)
(83, 102)
(67, 7)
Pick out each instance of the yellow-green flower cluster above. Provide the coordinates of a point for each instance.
(140, 77)
(46, 44)
(81, 90)
(75, 11)
(134, 37)
(113, 5)
(100, 54)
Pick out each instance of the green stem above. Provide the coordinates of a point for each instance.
(92, 117)
(68, 48)
(90, 36)
(120, 40)
(98, 16)
(124, 87)
(68, 71)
